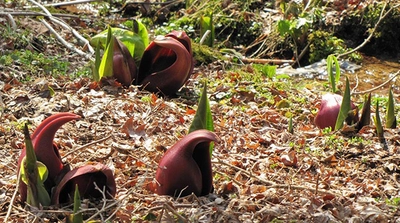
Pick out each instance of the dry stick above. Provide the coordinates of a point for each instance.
(377, 87)
(11, 21)
(30, 13)
(66, 3)
(381, 17)
(13, 198)
(274, 185)
(68, 45)
(88, 144)
(266, 61)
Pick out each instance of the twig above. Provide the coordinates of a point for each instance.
(66, 3)
(381, 17)
(11, 21)
(266, 61)
(12, 198)
(377, 87)
(30, 13)
(88, 144)
(271, 184)
(204, 37)
(68, 45)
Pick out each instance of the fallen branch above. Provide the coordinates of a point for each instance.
(381, 17)
(266, 61)
(377, 87)
(62, 23)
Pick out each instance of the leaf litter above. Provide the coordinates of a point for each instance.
(262, 172)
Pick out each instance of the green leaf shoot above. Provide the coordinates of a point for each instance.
(33, 174)
(390, 115)
(333, 77)
(345, 107)
(77, 216)
(203, 117)
(377, 121)
(106, 64)
(206, 23)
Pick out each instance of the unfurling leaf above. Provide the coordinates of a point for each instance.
(377, 121)
(390, 115)
(33, 174)
(77, 217)
(206, 23)
(106, 64)
(203, 117)
(345, 107)
(333, 78)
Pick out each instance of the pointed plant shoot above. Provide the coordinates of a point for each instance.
(106, 64)
(33, 174)
(206, 23)
(333, 77)
(345, 107)
(390, 116)
(203, 117)
(377, 121)
(77, 215)
(365, 114)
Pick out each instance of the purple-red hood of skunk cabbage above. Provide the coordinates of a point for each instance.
(186, 167)
(166, 64)
(124, 67)
(45, 149)
(329, 111)
(85, 177)
(183, 38)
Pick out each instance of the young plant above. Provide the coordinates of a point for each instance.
(345, 107)
(377, 121)
(33, 174)
(333, 77)
(207, 26)
(76, 217)
(365, 114)
(203, 117)
(390, 115)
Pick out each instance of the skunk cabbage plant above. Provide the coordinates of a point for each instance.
(329, 111)
(46, 150)
(59, 175)
(186, 167)
(124, 67)
(166, 64)
(85, 177)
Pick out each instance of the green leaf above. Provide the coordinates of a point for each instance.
(290, 128)
(269, 70)
(97, 61)
(33, 174)
(390, 116)
(77, 218)
(206, 23)
(106, 64)
(345, 107)
(377, 121)
(135, 42)
(203, 117)
(333, 78)
(284, 27)
(141, 30)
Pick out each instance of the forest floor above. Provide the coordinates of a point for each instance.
(262, 172)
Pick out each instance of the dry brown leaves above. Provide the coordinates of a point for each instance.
(261, 172)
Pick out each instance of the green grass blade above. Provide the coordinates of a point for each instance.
(345, 107)
(333, 78)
